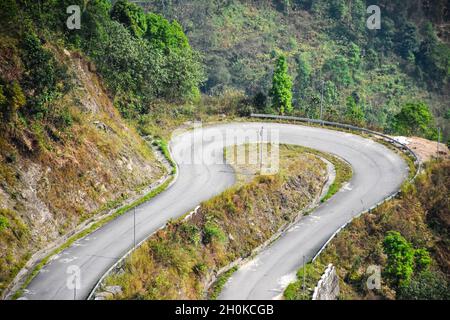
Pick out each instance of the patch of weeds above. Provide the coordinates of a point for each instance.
(217, 287)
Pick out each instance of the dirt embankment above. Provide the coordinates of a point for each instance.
(424, 148)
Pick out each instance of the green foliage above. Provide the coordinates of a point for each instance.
(400, 265)
(131, 15)
(408, 42)
(44, 77)
(245, 108)
(191, 232)
(426, 285)
(12, 99)
(338, 70)
(211, 231)
(311, 273)
(142, 57)
(354, 56)
(260, 102)
(156, 63)
(220, 283)
(303, 79)
(422, 259)
(281, 91)
(165, 35)
(18, 98)
(338, 9)
(434, 57)
(414, 119)
(4, 223)
(354, 113)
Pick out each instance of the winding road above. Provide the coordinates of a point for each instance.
(377, 173)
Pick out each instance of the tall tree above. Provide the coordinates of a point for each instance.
(415, 119)
(281, 91)
(303, 79)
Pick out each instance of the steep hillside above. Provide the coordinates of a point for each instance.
(52, 179)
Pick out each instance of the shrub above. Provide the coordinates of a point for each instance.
(244, 108)
(43, 73)
(212, 231)
(426, 285)
(400, 264)
(353, 113)
(422, 259)
(415, 119)
(130, 15)
(260, 102)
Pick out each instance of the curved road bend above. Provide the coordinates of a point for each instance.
(378, 172)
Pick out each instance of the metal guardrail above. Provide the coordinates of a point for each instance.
(396, 143)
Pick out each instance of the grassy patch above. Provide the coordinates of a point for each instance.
(307, 276)
(343, 174)
(164, 148)
(218, 285)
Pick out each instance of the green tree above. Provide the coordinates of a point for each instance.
(400, 264)
(353, 112)
(338, 9)
(281, 91)
(165, 35)
(338, 68)
(408, 42)
(434, 57)
(44, 76)
(354, 55)
(422, 259)
(130, 15)
(414, 119)
(303, 79)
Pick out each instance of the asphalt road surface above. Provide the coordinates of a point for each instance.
(378, 172)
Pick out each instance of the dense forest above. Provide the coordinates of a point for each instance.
(366, 76)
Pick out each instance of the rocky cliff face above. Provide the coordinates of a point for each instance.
(52, 180)
(328, 286)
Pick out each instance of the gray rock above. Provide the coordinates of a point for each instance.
(103, 296)
(114, 289)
